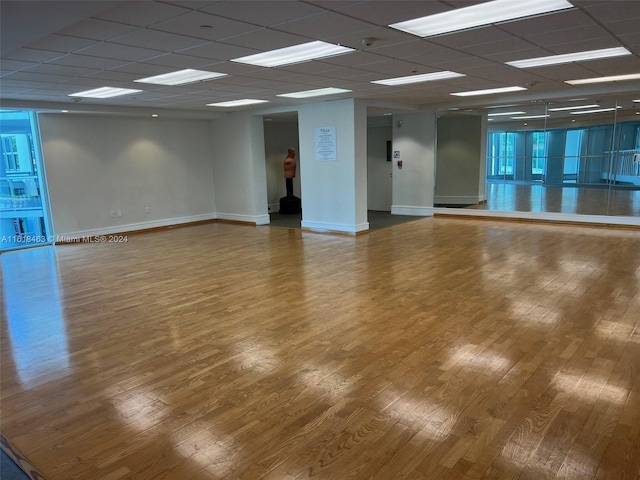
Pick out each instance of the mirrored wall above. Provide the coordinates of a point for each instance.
(578, 156)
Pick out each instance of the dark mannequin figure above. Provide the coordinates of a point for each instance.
(290, 203)
(290, 166)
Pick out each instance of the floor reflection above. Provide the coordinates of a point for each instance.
(34, 315)
(567, 199)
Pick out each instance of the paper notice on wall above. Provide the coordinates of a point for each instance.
(326, 146)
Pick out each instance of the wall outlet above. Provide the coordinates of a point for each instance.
(112, 214)
(147, 209)
(119, 213)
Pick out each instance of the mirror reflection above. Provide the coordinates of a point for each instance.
(575, 156)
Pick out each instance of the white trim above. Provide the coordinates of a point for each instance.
(132, 227)
(255, 219)
(546, 216)
(410, 210)
(334, 227)
(456, 200)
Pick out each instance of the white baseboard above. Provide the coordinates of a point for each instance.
(458, 200)
(412, 210)
(334, 227)
(542, 216)
(168, 222)
(133, 227)
(255, 219)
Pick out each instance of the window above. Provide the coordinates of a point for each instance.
(539, 153)
(23, 206)
(502, 152)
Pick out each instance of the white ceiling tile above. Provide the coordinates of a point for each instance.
(173, 61)
(97, 29)
(266, 38)
(63, 70)
(142, 14)
(591, 37)
(548, 23)
(611, 11)
(120, 52)
(85, 61)
(204, 25)
(218, 51)
(62, 43)
(325, 25)
(380, 37)
(388, 12)
(42, 78)
(116, 46)
(14, 65)
(147, 38)
(264, 13)
(32, 55)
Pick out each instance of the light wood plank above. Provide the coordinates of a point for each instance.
(436, 349)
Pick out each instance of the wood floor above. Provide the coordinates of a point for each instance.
(520, 197)
(436, 349)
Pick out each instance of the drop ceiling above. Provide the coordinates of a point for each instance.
(51, 49)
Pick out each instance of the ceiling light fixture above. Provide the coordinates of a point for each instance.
(425, 77)
(237, 103)
(570, 57)
(498, 114)
(615, 78)
(577, 107)
(105, 92)
(314, 93)
(478, 15)
(489, 91)
(597, 110)
(181, 77)
(527, 117)
(295, 54)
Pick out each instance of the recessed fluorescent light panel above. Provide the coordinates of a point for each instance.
(314, 93)
(489, 91)
(181, 77)
(615, 78)
(570, 57)
(105, 92)
(530, 117)
(478, 15)
(499, 114)
(637, 101)
(425, 77)
(577, 107)
(295, 54)
(597, 110)
(237, 103)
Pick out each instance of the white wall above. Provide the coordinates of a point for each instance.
(459, 165)
(98, 164)
(279, 135)
(335, 192)
(379, 170)
(413, 184)
(239, 168)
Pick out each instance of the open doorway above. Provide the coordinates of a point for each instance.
(281, 133)
(379, 164)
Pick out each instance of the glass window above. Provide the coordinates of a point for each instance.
(539, 153)
(23, 206)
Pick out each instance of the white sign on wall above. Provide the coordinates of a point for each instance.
(326, 147)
